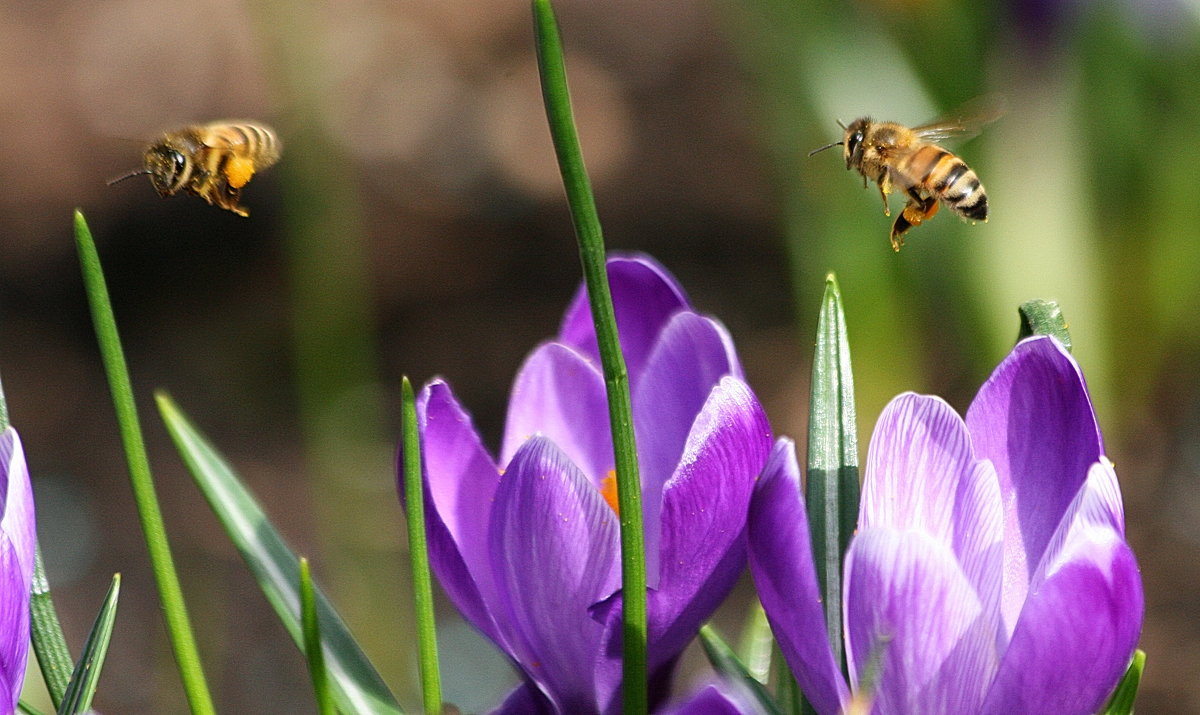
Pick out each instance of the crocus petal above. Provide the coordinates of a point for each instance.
(644, 295)
(1076, 633)
(17, 544)
(555, 552)
(691, 356)
(1033, 419)
(704, 514)
(916, 639)
(917, 457)
(560, 394)
(781, 562)
(1083, 614)
(709, 701)
(460, 481)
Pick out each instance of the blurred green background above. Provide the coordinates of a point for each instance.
(416, 226)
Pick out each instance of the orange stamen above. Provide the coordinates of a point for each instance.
(608, 490)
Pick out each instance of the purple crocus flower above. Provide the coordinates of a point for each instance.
(17, 542)
(527, 546)
(989, 572)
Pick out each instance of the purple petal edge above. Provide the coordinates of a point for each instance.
(781, 563)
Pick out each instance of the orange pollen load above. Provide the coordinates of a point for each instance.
(608, 490)
(238, 171)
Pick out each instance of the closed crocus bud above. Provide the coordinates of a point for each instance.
(989, 572)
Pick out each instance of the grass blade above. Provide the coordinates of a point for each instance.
(312, 642)
(357, 687)
(1121, 702)
(832, 487)
(553, 74)
(734, 672)
(418, 549)
(85, 679)
(183, 642)
(46, 635)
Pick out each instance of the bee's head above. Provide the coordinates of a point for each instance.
(169, 168)
(852, 141)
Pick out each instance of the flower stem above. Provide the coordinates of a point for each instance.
(418, 550)
(187, 656)
(616, 378)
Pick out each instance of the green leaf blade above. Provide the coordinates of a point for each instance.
(1043, 317)
(734, 672)
(831, 484)
(1121, 702)
(86, 677)
(356, 685)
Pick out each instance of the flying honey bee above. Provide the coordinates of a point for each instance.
(213, 161)
(896, 156)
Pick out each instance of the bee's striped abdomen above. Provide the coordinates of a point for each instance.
(944, 175)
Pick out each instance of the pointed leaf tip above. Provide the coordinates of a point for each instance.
(1043, 317)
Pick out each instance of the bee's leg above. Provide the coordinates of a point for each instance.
(885, 188)
(915, 212)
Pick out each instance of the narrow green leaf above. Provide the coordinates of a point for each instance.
(832, 487)
(45, 632)
(418, 550)
(28, 709)
(757, 645)
(734, 672)
(154, 530)
(553, 74)
(1043, 317)
(312, 642)
(357, 687)
(1121, 702)
(85, 679)
(46, 635)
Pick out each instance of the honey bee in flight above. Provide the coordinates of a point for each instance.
(896, 156)
(213, 161)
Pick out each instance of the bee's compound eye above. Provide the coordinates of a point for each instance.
(854, 142)
(179, 161)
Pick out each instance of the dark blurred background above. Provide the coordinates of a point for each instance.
(416, 225)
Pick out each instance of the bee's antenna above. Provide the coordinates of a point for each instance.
(830, 146)
(827, 146)
(135, 172)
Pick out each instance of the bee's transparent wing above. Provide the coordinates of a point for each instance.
(966, 121)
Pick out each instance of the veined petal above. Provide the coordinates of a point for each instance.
(460, 481)
(916, 639)
(691, 356)
(1033, 419)
(1076, 633)
(918, 455)
(704, 515)
(560, 394)
(781, 562)
(644, 295)
(17, 543)
(978, 542)
(555, 552)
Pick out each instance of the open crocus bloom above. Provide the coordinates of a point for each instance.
(17, 543)
(527, 546)
(989, 572)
